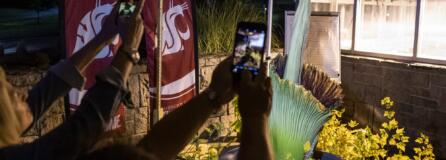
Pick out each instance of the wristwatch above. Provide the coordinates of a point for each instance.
(132, 55)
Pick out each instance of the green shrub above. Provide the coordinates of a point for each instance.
(350, 142)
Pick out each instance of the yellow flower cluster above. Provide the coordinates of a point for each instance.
(349, 142)
(425, 149)
(387, 102)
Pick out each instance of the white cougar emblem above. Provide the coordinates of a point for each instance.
(90, 26)
(172, 36)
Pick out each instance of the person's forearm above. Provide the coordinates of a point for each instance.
(82, 58)
(254, 139)
(59, 80)
(123, 63)
(170, 135)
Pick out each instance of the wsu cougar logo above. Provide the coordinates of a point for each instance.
(90, 26)
(172, 36)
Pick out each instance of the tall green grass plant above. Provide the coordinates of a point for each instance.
(217, 22)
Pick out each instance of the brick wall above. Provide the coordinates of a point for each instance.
(418, 90)
(137, 119)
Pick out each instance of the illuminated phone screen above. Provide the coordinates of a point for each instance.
(126, 8)
(249, 48)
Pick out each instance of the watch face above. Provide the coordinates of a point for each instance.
(135, 56)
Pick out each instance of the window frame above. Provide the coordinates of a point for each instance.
(409, 59)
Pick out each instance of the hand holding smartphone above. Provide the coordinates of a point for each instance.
(253, 87)
(249, 47)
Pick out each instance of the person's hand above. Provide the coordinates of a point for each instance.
(222, 82)
(255, 94)
(132, 29)
(21, 109)
(110, 27)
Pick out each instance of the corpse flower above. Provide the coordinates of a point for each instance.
(302, 100)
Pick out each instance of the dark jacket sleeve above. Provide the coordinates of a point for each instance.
(78, 134)
(59, 80)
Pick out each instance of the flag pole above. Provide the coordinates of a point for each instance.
(196, 51)
(269, 33)
(159, 110)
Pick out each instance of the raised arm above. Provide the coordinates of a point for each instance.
(172, 133)
(255, 100)
(67, 74)
(82, 58)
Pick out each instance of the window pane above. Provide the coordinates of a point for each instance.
(345, 7)
(386, 27)
(432, 41)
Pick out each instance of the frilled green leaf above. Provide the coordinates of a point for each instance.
(296, 118)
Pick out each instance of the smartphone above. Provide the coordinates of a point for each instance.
(126, 8)
(249, 47)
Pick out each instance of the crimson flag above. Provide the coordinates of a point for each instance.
(178, 59)
(83, 21)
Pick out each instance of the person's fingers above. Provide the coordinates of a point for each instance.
(112, 16)
(264, 69)
(245, 78)
(225, 65)
(227, 61)
(268, 85)
(139, 7)
(114, 12)
(262, 73)
(123, 22)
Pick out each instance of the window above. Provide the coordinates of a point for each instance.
(345, 8)
(389, 28)
(432, 35)
(386, 27)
